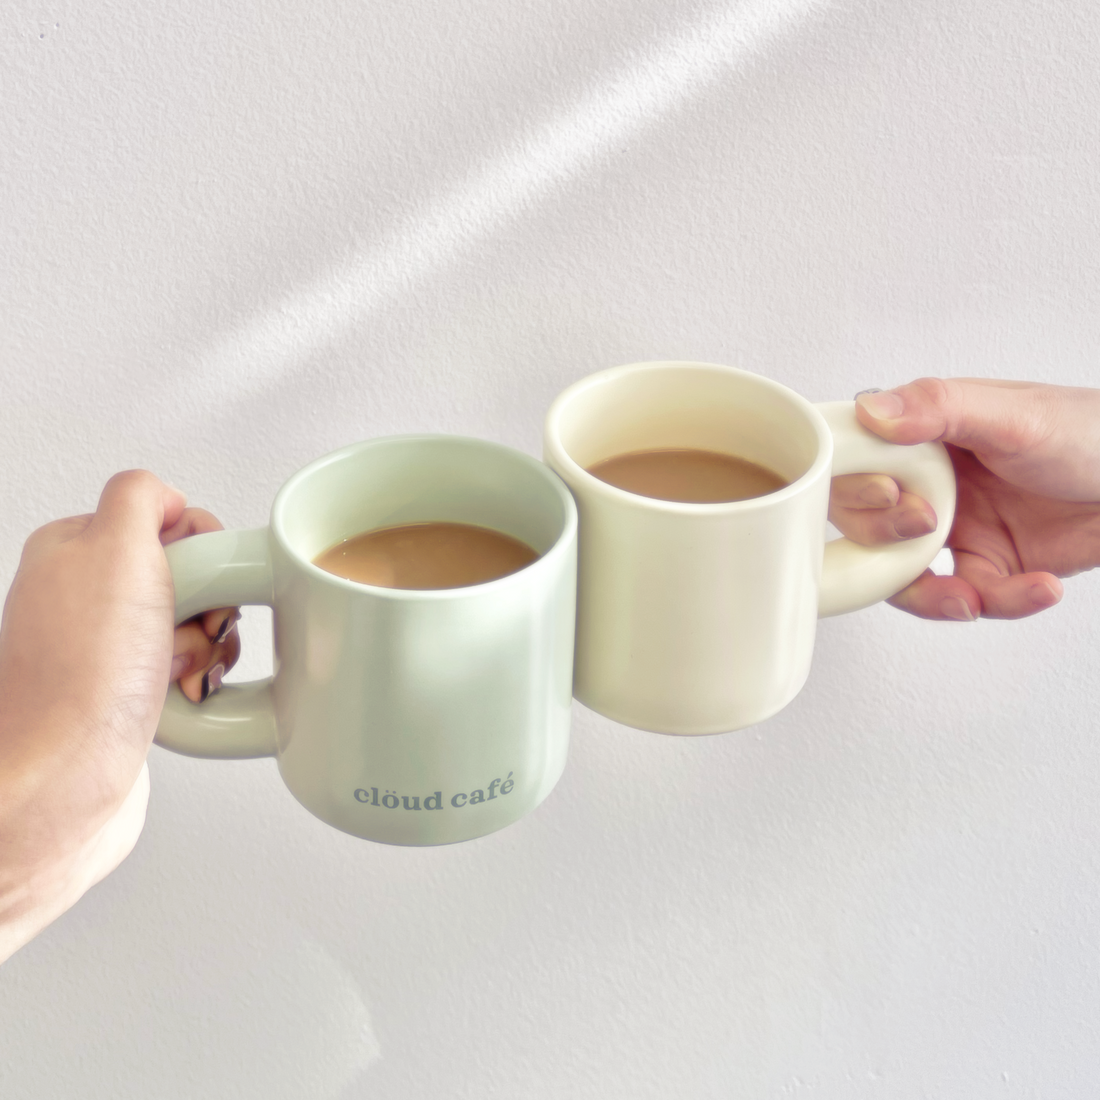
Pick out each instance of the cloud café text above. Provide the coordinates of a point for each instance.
(391, 800)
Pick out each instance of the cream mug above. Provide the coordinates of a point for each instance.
(700, 618)
(403, 716)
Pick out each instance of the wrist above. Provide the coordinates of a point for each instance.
(59, 828)
(39, 883)
(32, 898)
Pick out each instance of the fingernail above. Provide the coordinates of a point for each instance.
(910, 525)
(955, 607)
(178, 665)
(212, 681)
(882, 405)
(227, 625)
(870, 389)
(1043, 594)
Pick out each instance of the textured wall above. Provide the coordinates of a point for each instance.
(238, 236)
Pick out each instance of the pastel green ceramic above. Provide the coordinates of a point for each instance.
(409, 717)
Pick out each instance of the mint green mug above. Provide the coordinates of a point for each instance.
(397, 715)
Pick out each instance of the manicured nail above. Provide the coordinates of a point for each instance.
(882, 405)
(955, 607)
(1043, 594)
(227, 625)
(212, 681)
(909, 525)
(178, 665)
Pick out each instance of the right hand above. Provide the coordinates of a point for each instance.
(1027, 463)
(86, 647)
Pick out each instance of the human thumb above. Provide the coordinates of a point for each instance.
(985, 416)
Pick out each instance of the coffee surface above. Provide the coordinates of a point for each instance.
(688, 475)
(426, 555)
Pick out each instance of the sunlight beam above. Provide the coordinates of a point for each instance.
(616, 109)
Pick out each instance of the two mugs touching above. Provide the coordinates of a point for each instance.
(438, 601)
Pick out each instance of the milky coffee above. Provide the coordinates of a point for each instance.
(426, 555)
(688, 475)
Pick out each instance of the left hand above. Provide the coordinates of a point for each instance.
(1026, 457)
(870, 509)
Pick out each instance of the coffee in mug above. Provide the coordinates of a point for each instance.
(688, 475)
(409, 715)
(426, 556)
(698, 616)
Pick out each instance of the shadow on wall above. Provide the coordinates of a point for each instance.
(617, 109)
(266, 1015)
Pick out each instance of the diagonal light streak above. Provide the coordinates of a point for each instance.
(617, 108)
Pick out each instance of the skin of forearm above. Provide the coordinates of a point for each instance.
(51, 822)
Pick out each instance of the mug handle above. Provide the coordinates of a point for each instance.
(220, 569)
(854, 576)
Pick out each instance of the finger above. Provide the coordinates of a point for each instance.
(216, 624)
(982, 415)
(1007, 597)
(137, 503)
(191, 650)
(201, 682)
(197, 521)
(863, 491)
(910, 518)
(191, 521)
(978, 590)
(194, 653)
(934, 597)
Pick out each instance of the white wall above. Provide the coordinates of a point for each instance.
(237, 236)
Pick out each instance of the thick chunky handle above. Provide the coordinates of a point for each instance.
(220, 569)
(854, 576)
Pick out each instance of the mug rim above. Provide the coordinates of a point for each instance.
(559, 546)
(556, 448)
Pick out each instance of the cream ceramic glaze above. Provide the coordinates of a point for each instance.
(700, 618)
(410, 717)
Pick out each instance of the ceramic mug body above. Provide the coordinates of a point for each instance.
(701, 618)
(404, 716)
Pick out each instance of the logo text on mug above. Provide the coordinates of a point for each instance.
(391, 800)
